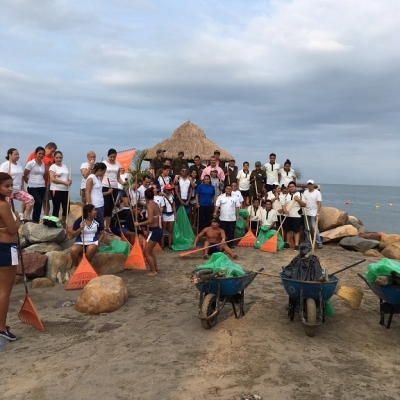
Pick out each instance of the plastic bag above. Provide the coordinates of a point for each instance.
(221, 262)
(182, 232)
(116, 246)
(262, 237)
(383, 268)
(240, 228)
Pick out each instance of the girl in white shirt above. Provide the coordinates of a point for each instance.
(86, 170)
(34, 177)
(94, 189)
(287, 174)
(59, 185)
(12, 167)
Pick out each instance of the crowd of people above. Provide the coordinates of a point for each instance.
(116, 203)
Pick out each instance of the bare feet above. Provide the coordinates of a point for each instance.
(206, 256)
(151, 274)
(235, 256)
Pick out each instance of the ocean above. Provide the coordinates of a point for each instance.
(371, 204)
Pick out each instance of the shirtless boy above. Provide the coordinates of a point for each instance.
(214, 234)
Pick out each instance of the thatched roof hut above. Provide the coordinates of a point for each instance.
(192, 141)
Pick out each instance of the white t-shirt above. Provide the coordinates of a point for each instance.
(244, 180)
(96, 194)
(287, 176)
(160, 201)
(288, 200)
(272, 171)
(134, 196)
(60, 173)
(84, 165)
(125, 176)
(16, 173)
(276, 204)
(238, 195)
(111, 174)
(227, 207)
(311, 199)
(163, 180)
(168, 202)
(254, 215)
(141, 190)
(36, 174)
(184, 185)
(270, 218)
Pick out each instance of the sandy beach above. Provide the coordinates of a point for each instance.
(160, 350)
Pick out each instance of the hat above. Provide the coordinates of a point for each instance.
(160, 151)
(276, 184)
(181, 151)
(217, 152)
(216, 220)
(168, 187)
(258, 164)
(311, 182)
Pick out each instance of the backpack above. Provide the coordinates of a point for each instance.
(52, 222)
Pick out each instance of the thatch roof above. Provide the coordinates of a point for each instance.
(192, 141)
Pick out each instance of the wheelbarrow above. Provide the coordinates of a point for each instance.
(389, 300)
(215, 291)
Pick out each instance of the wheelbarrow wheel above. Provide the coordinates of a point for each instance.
(207, 308)
(311, 318)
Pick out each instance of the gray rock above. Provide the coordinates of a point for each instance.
(360, 228)
(24, 242)
(42, 248)
(357, 243)
(39, 233)
(67, 244)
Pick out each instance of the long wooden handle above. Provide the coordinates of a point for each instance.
(186, 253)
(266, 274)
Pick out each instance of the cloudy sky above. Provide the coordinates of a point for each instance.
(315, 81)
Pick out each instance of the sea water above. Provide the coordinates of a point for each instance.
(370, 204)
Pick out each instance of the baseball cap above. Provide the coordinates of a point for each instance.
(258, 164)
(168, 187)
(160, 151)
(216, 220)
(275, 184)
(311, 182)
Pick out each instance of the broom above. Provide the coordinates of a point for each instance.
(69, 197)
(27, 314)
(186, 253)
(135, 259)
(84, 272)
(249, 239)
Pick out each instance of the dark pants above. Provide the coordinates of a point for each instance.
(38, 194)
(229, 228)
(59, 198)
(205, 213)
(108, 201)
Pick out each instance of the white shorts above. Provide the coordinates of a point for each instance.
(168, 218)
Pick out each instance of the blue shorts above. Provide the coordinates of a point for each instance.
(215, 249)
(8, 254)
(156, 234)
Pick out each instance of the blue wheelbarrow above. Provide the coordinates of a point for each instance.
(216, 291)
(389, 300)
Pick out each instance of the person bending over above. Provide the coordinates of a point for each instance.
(88, 232)
(214, 234)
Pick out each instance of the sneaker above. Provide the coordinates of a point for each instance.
(286, 245)
(320, 246)
(296, 248)
(8, 335)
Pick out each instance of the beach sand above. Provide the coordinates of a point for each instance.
(160, 351)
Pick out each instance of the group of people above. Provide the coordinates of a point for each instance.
(115, 203)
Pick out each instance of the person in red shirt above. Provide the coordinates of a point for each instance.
(48, 160)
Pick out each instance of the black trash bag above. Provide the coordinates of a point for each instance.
(303, 268)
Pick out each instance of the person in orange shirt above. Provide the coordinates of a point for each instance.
(48, 160)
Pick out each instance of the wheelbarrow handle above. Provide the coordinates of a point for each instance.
(363, 278)
(349, 266)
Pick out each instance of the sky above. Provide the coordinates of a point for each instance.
(314, 81)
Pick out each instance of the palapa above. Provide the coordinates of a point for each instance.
(192, 141)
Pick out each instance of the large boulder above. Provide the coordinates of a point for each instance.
(352, 218)
(39, 233)
(102, 295)
(330, 218)
(108, 263)
(34, 265)
(388, 239)
(392, 251)
(356, 243)
(42, 248)
(334, 235)
(373, 253)
(59, 266)
(360, 228)
(371, 235)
